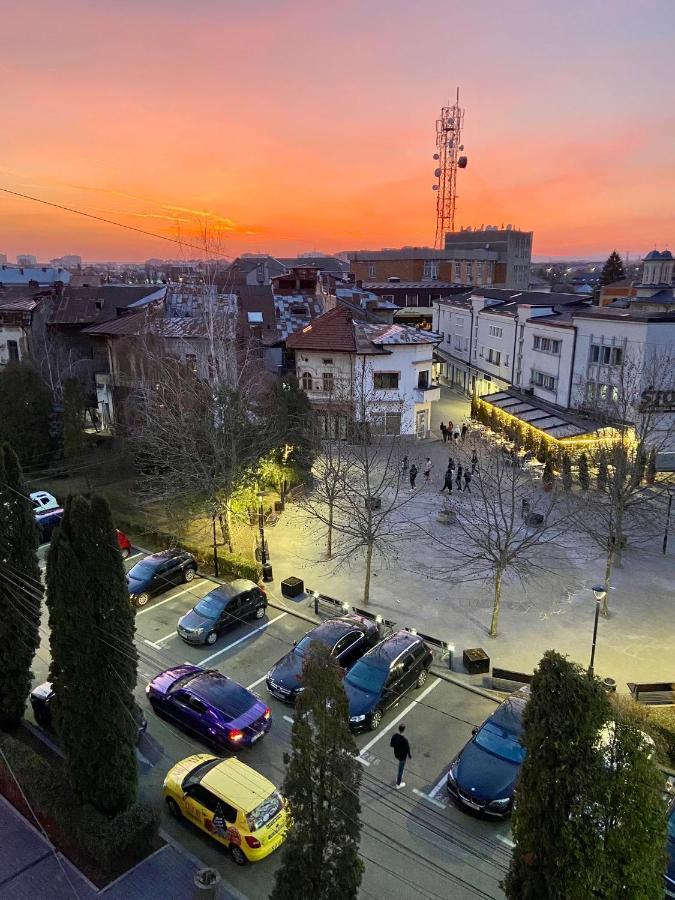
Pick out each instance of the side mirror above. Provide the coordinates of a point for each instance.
(474, 731)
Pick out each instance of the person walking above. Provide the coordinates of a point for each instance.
(465, 428)
(448, 480)
(428, 466)
(456, 435)
(467, 479)
(444, 432)
(458, 479)
(474, 461)
(448, 430)
(404, 467)
(401, 748)
(413, 476)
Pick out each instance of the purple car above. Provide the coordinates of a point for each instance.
(209, 705)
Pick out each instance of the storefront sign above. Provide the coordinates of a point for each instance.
(659, 401)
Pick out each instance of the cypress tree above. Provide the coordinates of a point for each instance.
(584, 478)
(556, 838)
(542, 451)
(567, 472)
(20, 590)
(25, 408)
(320, 856)
(73, 419)
(474, 408)
(613, 269)
(93, 669)
(602, 473)
(548, 476)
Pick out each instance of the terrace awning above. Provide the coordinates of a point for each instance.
(554, 422)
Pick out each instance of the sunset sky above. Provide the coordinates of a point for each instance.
(300, 125)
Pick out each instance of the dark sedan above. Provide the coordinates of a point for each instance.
(347, 637)
(158, 573)
(222, 608)
(484, 774)
(41, 699)
(209, 705)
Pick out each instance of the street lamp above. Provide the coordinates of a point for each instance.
(600, 593)
(261, 525)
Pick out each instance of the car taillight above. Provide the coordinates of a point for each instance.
(267, 713)
(235, 735)
(251, 841)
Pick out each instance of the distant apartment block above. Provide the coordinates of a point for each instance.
(513, 251)
(423, 264)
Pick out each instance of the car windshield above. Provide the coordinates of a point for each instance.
(196, 775)
(210, 606)
(498, 742)
(143, 570)
(367, 677)
(264, 813)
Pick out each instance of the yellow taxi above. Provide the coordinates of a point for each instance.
(233, 803)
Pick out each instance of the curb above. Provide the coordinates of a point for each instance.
(232, 892)
(452, 679)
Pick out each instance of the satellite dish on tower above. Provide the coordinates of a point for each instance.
(436, 156)
(434, 187)
(437, 173)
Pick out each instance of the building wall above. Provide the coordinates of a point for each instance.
(536, 352)
(459, 270)
(513, 247)
(17, 334)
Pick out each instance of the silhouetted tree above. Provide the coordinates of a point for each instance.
(613, 269)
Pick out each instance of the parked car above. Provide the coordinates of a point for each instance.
(41, 698)
(210, 705)
(484, 774)
(124, 543)
(42, 502)
(386, 673)
(231, 802)
(159, 572)
(224, 606)
(347, 637)
(670, 870)
(47, 522)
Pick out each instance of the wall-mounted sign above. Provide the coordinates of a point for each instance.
(660, 401)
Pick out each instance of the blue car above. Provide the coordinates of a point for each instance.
(209, 705)
(670, 871)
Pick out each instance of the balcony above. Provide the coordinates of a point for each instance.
(429, 394)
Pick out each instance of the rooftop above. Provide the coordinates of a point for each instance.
(341, 329)
(552, 420)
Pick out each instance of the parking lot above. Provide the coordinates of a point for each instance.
(412, 840)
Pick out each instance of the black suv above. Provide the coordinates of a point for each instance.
(347, 638)
(158, 573)
(222, 608)
(381, 677)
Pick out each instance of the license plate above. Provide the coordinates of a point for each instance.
(470, 804)
(256, 737)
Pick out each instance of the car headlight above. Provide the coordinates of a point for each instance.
(357, 718)
(452, 774)
(500, 804)
(299, 690)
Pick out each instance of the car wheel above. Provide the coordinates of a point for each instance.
(238, 855)
(188, 575)
(260, 612)
(211, 638)
(375, 719)
(422, 677)
(142, 599)
(174, 808)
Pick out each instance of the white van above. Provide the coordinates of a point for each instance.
(43, 502)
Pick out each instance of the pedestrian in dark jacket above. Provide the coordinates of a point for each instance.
(451, 463)
(458, 479)
(474, 462)
(467, 480)
(444, 432)
(401, 752)
(465, 428)
(449, 429)
(413, 476)
(448, 480)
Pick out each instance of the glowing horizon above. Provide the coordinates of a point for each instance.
(288, 126)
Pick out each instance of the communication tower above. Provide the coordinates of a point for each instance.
(449, 156)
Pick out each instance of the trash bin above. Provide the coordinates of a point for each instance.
(267, 572)
(206, 884)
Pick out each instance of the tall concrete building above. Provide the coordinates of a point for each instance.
(26, 259)
(513, 249)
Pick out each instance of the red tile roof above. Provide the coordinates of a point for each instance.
(333, 330)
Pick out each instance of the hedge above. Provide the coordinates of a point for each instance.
(103, 847)
(662, 721)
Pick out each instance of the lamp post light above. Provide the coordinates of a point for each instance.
(600, 593)
(261, 527)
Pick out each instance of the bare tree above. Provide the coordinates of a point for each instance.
(633, 429)
(505, 525)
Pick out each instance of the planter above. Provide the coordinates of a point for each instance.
(292, 587)
(476, 661)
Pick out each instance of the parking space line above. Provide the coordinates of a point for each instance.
(288, 719)
(152, 606)
(436, 788)
(166, 637)
(151, 644)
(362, 760)
(382, 731)
(429, 798)
(255, 683)
(134, 555)
(244, 638)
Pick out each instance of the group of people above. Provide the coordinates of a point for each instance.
(463, 476)
(452, 432)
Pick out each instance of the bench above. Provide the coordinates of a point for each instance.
(660, 693)
(516, 679)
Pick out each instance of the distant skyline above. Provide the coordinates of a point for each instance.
(287, 124)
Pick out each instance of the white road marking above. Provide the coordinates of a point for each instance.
(288, 719)
(166, 637)
(250, 687)
(505, 840)
(362, 760)
(242, 639)
(152, 606)
(134, 555)
(151, 644)
(382, 731)
(436, 788)
(429, 798)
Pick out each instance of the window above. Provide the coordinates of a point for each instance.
(423, 379)
(458, 342)
(13, 350)
(327, 382)
(540, 379)
(431, 268)
(466, 343)
(458, 272)
(385, 381)
(495, 331)
(412, 299)
(601, 391)
(387, 423)
(459, 322)
(606, 356)
(371, 270)
(306, 381)
(494, 356)
(547, 345)
(255, 318)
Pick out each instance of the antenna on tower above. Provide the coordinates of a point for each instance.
(449, 154)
